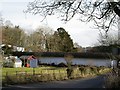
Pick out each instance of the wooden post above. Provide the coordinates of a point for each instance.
(33, 71)
(60, 75)
(25, 73)
(41, 72)
(16, 73)
(54, 74)
(6, 74)
(24, 62)
(7, 78)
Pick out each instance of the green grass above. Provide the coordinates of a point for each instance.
(39, 70)
(44, 73)
(24, 69)
(22, 75)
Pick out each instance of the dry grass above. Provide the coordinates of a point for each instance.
(113, 79)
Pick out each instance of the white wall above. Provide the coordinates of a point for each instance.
(17, 64)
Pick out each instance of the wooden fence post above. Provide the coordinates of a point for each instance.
(6, 74)
(33, 71)
(16, 73)
(25, 73)
(41, 72)
(60, 74)
(54, 74)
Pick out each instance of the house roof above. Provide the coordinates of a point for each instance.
(27, 57)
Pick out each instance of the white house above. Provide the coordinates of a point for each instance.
(14, 48)
(17, 63)
(19, 49)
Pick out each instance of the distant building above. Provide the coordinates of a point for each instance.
(14, 48)
(18, 49)
(29, 61)
(17, 63)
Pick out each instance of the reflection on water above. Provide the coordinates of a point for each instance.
(77, 61)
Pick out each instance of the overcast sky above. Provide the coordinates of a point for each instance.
(80, 32)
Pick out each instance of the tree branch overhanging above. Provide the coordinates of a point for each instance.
(67, 9)
(116, 7)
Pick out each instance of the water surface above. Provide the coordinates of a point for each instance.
(77, 61)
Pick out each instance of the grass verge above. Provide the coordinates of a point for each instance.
(47, 73)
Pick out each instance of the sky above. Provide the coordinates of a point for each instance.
(82, 33)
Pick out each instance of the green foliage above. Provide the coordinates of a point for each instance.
(8, 64)
(107, 49)
(66, 41)
(39, 40)
(63, 42)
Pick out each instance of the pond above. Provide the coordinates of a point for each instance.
(77, 61)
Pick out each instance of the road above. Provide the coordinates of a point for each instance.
(93, 82)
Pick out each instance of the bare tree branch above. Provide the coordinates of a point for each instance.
(88, 10)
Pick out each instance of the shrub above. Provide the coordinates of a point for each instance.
(82, 68)
(94, 70)
(76, 73)
(62, 64)
(112, 80)
(87, 71)
(8, 64)
(53, 64)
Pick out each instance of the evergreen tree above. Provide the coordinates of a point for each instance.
(63, 41)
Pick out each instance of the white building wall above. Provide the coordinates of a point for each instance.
(17, 64)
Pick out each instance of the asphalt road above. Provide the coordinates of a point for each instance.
(93, 82)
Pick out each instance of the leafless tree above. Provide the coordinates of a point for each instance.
(37, 40)
(103, 12)
(111, 39)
